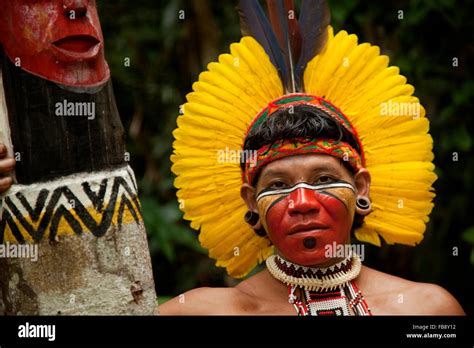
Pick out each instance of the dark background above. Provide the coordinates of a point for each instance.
(167, 54)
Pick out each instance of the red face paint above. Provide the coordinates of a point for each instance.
(59, 40)
(291, 217)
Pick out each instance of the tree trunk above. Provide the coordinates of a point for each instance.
(74, 201)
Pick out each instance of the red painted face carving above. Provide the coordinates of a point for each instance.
(304, 214)
(59, 40)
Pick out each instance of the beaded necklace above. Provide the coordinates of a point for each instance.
(322, 291)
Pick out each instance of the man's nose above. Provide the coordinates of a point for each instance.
(75, 8)
(303, 201)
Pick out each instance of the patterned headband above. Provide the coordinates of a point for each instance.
(300, 146)
(289, 147)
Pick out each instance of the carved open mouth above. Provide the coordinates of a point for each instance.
(78, 46)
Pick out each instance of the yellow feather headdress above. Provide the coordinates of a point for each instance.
(377, 100)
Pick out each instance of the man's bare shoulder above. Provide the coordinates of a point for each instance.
(208, 301)
(259, 294)
(390, 295)
(437, 300)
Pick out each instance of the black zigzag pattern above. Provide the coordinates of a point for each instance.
(46, 214)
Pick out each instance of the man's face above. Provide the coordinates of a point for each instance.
(306, 203)
(59, 40)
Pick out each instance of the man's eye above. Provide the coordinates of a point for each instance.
(278, 185)
(325, 179)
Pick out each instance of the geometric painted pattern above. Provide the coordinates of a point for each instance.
(81, 203)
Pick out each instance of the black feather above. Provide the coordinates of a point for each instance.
(253, 22)
(314, 21)
(281, 24)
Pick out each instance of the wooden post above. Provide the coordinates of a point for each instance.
(71, 231)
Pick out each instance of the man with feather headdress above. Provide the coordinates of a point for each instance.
(320, 163)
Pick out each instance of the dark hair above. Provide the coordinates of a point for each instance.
(300, 121)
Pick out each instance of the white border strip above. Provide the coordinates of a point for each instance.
(306, 186)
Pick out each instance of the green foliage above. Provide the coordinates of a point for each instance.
(468, 236)
(162, 223)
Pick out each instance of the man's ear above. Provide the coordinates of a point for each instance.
(247, 192)
(362, 182)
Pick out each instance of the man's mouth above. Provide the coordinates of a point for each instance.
(306, 228)
(78, 46)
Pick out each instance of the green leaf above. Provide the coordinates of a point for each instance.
(163, 299)
(468, 235)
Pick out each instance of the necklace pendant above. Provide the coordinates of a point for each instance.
(327, 303)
